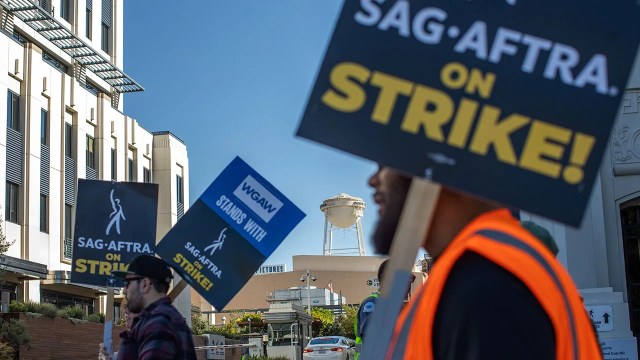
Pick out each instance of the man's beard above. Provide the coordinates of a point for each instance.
(388, 221)
(134, 304)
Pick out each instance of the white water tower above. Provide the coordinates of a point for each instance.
(344, 212)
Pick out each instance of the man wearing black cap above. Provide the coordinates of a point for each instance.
(159, 331)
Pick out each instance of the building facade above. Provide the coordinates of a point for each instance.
(339, 280)
(60, 68)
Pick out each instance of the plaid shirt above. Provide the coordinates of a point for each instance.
(159, 332)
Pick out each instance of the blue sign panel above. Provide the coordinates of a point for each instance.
(114, 222)
(229, 232)
(502, 99)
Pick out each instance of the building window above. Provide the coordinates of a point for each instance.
(18, 38)
(62, 300)
(114, 164)
(44, 214)
(11, 206)
(91, 154)
(67, 250)
(13, 111)
(65, 10)
(44, 127)
(68, 140)
(179, 189)
(106, 31)
(89, 20)
(146, 175)
(107, 21)
(54, 62)
(46, 4)
(131, 167)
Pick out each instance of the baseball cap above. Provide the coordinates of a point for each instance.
(542, 234)
(147, 266)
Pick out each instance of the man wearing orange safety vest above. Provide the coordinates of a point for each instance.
(494, 292)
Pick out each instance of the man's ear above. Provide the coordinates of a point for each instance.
(145, 285)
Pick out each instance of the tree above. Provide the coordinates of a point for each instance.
(13, 333)
(347, 321)
(250, 323)
(4, 247)
(199, 325)
(323, 320)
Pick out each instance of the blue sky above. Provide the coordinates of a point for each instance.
(232, 78)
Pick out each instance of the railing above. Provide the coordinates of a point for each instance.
(51, 29)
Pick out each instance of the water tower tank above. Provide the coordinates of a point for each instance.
(342, 211)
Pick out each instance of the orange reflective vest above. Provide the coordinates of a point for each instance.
(498, 237)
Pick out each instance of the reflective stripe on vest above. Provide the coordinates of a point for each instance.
(493, 245)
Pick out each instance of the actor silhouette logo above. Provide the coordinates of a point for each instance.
(257, 198)
(216, 244)
(116, 215)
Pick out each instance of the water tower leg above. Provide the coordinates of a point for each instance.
(330, 239)
(324, 241)
(360, 237)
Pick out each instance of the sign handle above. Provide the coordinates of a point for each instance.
(177, 289)
(108, 321)
(413, 226)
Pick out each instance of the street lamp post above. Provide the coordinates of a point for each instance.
(308, 277)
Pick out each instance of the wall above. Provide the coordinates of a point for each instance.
(78, 340)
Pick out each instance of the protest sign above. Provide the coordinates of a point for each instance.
(114, 222)
(509, 100)
(229, 232)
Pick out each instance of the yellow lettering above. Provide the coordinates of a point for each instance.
(188, 268)
(81, 265)
(93, 264)
(461, 127)
(390, 87)
(178, 258)
(428, 108)
(580, 151)
(350, 96)
(491, 131)
(105, 268)
(482, 85)
(454, 75)
(538, 152)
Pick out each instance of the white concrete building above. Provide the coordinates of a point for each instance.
(603, 255)
(61, 70)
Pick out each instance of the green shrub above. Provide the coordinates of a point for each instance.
(72, 312)
(33, 307)
(229, 330)
(48, 310)
(199, 325)
(15, 306)
(6, 352)
(97, 318)
(14, 332)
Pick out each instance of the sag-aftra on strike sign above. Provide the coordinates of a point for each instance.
(510, 100)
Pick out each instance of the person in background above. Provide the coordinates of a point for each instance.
(542, 234)
(159, 331)
(366, 308)
(492, 282)
(125, 334)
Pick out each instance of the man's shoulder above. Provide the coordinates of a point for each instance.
(162, 316)
(368, 304)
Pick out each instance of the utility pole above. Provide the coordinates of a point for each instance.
(308, 277)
